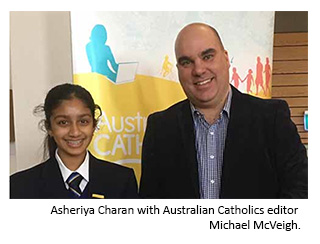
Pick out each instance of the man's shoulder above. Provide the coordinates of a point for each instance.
(257, 103)
(172, 110)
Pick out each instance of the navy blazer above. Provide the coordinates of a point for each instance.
(45, 181)
(263, 154)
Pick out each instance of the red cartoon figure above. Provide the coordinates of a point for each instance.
(267, 71)
(259, 77)
(249, 79)
(235, 78)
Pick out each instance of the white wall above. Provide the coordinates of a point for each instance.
(40, 55)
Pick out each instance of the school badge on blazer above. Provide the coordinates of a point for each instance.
(97, 196)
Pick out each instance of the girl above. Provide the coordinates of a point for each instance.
(71, 171)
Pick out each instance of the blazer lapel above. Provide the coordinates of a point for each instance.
(238, 136)
(97, 185)
(238, 119)
(185, 122)
(53, 184)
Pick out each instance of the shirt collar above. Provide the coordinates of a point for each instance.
(226, 107)
(83, 169)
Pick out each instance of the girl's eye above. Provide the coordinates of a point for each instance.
(63, 122)
(84, 121)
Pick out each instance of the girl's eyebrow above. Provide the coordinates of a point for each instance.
(60, 115)
(66, 116)
(83, 115)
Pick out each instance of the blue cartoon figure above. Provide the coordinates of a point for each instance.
(99, 54)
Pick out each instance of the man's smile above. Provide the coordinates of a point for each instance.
(201, 83)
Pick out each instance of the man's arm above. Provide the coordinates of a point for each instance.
(131, 189)
(291, 157)
(149, 176)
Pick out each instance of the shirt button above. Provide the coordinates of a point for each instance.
(211, 156)
(212, 181)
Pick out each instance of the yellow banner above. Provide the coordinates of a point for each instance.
(125, 110)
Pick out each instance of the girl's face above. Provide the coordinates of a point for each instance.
(72, 128)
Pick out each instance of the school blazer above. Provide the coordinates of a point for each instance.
(263, 154)
(45, 181)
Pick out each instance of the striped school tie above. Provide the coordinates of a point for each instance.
(73, 182)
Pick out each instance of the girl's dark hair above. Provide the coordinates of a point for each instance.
(54, 98)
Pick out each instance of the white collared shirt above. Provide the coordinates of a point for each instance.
(83, 170)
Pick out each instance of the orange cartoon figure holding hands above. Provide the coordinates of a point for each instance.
(259, 77)
(235, 78)
(267, 71)
(249, 79)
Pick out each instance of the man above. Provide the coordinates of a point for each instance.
(219, 143)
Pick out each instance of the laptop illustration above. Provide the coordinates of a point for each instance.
(126, 72)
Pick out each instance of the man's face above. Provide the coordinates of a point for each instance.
(203, 66)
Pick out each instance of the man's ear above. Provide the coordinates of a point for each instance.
(227, 57)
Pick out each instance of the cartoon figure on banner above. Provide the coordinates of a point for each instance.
(102, 60)
(166, 66)
(249, 79)
(267, 71)
(259, 77)
(235, 77)
(100, 55)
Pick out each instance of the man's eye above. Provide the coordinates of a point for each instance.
(207, 57)
(185, 62)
